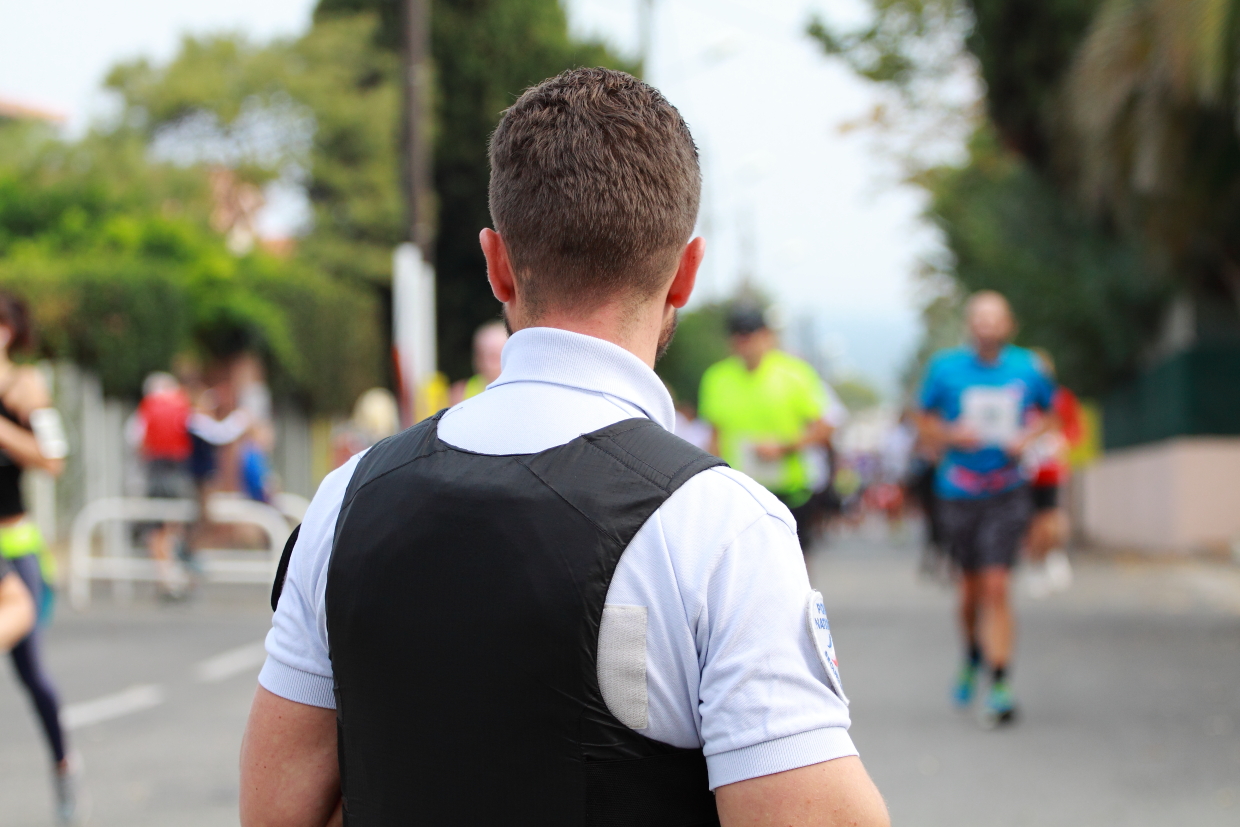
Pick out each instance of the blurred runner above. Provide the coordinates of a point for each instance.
(17, 613)
(164, 427)
(923, 469)
(31, 436)
(161, 428)
(977, 400)
(489, 341)
(767, 407)
(822, 463)
(1048, 471)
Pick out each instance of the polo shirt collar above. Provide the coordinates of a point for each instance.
(561, 357)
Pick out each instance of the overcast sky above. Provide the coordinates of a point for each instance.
(815, 216)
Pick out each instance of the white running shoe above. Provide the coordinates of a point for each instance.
(1058, 571)
(1037, 583)
(70, 811)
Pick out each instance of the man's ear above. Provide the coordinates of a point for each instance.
(686, 273)
(499, 267)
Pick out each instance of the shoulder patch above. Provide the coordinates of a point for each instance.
(820, 633)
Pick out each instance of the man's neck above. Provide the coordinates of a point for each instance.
(989, 354)
(636, 332)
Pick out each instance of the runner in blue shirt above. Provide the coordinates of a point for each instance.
(976, 402)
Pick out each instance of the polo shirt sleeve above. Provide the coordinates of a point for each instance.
(765, 699)
(298, 666)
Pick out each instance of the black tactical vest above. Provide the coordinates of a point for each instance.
(464, 596)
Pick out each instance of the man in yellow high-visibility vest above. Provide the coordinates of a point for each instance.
(767, 408)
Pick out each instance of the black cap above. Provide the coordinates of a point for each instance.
(744, 320)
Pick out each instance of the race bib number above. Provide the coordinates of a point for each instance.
(824, 645)
(992, 413)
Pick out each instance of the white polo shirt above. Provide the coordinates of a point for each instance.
(707, 637)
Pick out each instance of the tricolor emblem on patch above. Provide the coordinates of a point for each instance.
(824, 645)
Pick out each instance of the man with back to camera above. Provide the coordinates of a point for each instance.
(539, 607)
(976, 402)
(768, 408)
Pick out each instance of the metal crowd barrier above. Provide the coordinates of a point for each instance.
(120, 565)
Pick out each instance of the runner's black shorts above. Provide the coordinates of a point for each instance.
(986, 532)
(1045, 497)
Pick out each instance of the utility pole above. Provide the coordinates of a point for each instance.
(413, 276)
(417, 19)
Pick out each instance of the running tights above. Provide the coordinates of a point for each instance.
(30, 668)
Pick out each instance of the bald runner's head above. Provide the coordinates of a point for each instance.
(989, 319)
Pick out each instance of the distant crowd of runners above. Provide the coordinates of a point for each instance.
(983, 453)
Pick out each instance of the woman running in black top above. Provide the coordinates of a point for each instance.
(31, 436)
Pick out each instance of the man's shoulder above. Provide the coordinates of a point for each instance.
(1024, 361)
(728, 494)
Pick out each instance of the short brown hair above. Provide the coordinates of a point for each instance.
(594, 187)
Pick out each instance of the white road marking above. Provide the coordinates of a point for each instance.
(233, 662)
(126, 702)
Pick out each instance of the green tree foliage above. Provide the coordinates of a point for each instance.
(1024, 48)
(1091, 299)
(340, 84)
(1152, 138)
(122, 274)
(325, 106)
(485, 53)
(1044, 207)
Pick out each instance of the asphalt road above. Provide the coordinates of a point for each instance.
(1129, 684)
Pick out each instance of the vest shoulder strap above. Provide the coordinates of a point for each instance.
(654, 453)
(619, 475)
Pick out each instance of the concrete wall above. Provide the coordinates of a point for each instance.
(1180, 494)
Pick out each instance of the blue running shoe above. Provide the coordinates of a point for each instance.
(966, 685)
(1000, 706)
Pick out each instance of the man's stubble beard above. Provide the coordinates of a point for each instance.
(666, 335)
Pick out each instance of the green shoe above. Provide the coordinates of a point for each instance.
(966, 685)
(1000, 706)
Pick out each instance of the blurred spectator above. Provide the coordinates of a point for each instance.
(161, 428)
(489, 341)
(375, 417)
(254, 398)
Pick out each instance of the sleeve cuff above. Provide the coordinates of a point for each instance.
(788, 753)
(296, 685)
